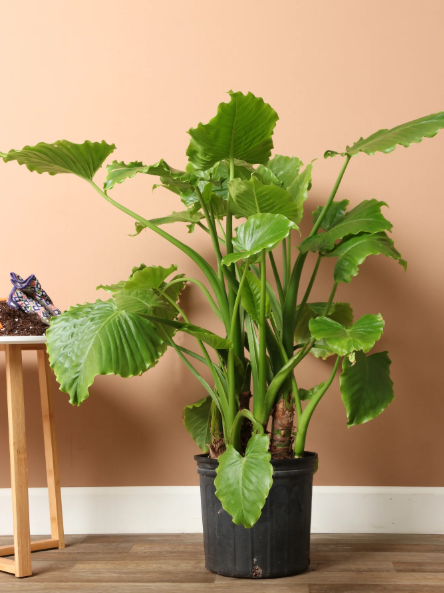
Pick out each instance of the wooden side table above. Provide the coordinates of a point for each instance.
(22, 548)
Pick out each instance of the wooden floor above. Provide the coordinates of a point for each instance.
(175, 563)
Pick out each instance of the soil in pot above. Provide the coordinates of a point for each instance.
(15, 322)
(278, 545)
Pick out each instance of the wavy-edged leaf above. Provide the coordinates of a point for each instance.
(251, 297)
(403, 135)
(140, 278)
(353, 252)
(340, 312)
(253, 197)
(83, 160)
(241, 129)
(197, 418)
(362, 335)
(335, 214)
(243, 483)
(118, 172)
(366, 217)
(366, 386)
(100, 339)
(260, 231)
(213, 340)
(300, 187)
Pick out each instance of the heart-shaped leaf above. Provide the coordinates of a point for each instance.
(197, 418)
(362, 335)
(260, 231)
(100, 339)
(118, 172)
(243, 483)
(366, 386)
(253, 197)
(242, 129)
(140, 302)
(366, 217)
(82, 160)
(353, 252)
(403, 135)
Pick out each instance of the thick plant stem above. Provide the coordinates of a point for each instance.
(281, 441)
(299, 445)
(277, 278)
(217, 445)
(235, 436)
(285, 265)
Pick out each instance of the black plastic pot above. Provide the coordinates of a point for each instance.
(278, 545)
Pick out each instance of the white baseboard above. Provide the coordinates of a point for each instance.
(176, 509)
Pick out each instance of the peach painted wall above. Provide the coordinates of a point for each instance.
(141, 73)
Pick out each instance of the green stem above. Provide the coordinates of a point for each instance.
(318, 223)
(204, 290)
(232, 402)
(235, 434)
(285, 265)
(276, 277)
(259, 404)
(289, 311)
(308, 291)
(299, 445)
(217, 286)
(213, 234)
(288, 257)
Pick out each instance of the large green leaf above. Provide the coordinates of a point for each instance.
(62, 156)
(141, 302)
(352, 252)
(251, 297)
(118, 172)
(197, 418)
(260, 231)
(335, 214)
(100, 339)
(243, 483)
(366, 217)
(340, 312)
(299, 188)
(242, 129)
(362, 335)
(404, 135)
(253, 197)
(366, 386)
(213, 340)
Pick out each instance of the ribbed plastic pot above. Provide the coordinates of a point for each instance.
(278, 545)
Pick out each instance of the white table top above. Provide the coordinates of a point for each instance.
(23, 340)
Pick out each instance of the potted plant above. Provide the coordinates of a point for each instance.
(256, 477)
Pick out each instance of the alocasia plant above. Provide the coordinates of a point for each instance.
(269, 328)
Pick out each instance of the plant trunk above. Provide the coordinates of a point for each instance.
(247, 427)
(217, 445)
(282, 437)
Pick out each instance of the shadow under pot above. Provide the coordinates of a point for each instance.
(278, 545)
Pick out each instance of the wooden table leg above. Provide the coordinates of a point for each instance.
(19, 467)
(52, 462)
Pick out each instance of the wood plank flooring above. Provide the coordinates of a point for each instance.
(175, 564)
